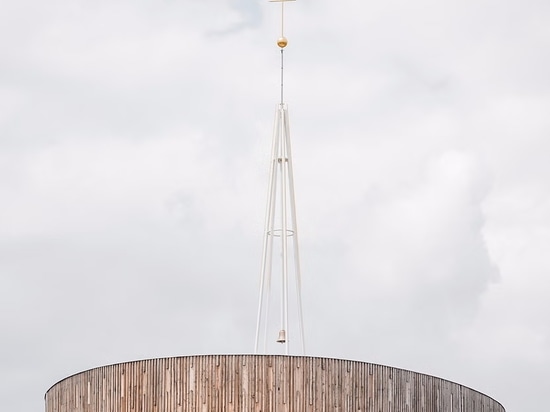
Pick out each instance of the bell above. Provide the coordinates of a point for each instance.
(282, 336)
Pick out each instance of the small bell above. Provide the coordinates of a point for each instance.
(282, 336)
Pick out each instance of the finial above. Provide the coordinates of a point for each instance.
(282, 41)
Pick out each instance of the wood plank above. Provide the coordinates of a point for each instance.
(260, 383)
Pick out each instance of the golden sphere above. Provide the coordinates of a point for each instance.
(282, 42)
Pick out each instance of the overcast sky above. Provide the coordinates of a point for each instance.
(134, 150)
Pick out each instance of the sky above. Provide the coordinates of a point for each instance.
(134, 155)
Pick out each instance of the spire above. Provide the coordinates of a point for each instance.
(280, 233)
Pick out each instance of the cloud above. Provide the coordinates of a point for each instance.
(133, 168)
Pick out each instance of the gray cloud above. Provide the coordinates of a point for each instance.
(133, 170)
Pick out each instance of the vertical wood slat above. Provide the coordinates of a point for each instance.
(260, 383)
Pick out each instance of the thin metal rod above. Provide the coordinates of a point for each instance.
(268, 231)
(282, 19)
(282, 76)
(271, 228)
(297, 271)
(284, 225)
(269, 262)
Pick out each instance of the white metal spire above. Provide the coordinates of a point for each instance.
(280, 232)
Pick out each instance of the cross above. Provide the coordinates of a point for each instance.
(282, 14)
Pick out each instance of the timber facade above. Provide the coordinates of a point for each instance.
(260, 383)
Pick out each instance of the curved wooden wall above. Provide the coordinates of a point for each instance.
(260, 383)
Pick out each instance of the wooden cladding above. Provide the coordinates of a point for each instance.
(260, 383)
